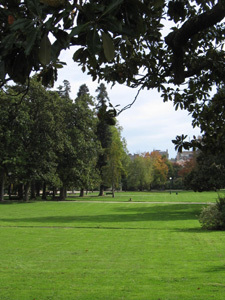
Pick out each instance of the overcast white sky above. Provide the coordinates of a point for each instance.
(150, 124)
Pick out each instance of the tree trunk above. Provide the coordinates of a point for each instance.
(37, 188)
(62, 193)
(20, 191)
(82, 192)
(33, 190)
(113, 190)
(27, 192)
(44, 197)
(10, 191)
(54, 193)
(101, 192)
(2, 183)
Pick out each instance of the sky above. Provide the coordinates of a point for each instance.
(150, 124)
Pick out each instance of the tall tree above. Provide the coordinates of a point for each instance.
(83, 90)
(114, 169)
(207, 174)
(88, 146)
(30, 139)
(78, 156)
(160, 169)
(64, 91)
(138, 174)
(104, 133)
(10, 138)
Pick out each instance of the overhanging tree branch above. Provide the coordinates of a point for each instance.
(178, 38)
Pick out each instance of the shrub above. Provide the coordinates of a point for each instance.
(213, 216)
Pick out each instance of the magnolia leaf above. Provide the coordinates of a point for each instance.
(108, 46)
(45, 51)
(77, 54)
(31, 38)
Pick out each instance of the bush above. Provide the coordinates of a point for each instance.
(213, 216)
(210, 217)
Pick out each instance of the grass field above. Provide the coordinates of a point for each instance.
(166, 196)
(87, 251)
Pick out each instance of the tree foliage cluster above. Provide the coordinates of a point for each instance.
(202, 172)
(47, 139)
(207, 173)
(147, 171)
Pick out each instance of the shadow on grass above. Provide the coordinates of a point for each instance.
(9, 202)
(161, 213)
(216, 269)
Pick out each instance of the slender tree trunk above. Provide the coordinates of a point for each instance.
(27, 192)
(44, 197)
(113, 190)
(20, 191)
(82, 192)
(10, 191)
(101, 192)
(33, 190)
(54, 193)
(37, 188)
(2, 183)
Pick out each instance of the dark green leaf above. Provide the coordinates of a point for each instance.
(93, 41)
(108, 46)
(30, 41)
(45, 51)
(77, 54)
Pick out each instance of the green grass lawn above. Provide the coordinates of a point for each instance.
(166, 196)
(91, 251)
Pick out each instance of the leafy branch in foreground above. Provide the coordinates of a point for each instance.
(121, 41)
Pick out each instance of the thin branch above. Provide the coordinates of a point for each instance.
(129, 105)
(25, 92)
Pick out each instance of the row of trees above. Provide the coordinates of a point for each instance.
(49, 140)
(202, 172)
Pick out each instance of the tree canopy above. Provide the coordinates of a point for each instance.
(175, 46)
(116, 40)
